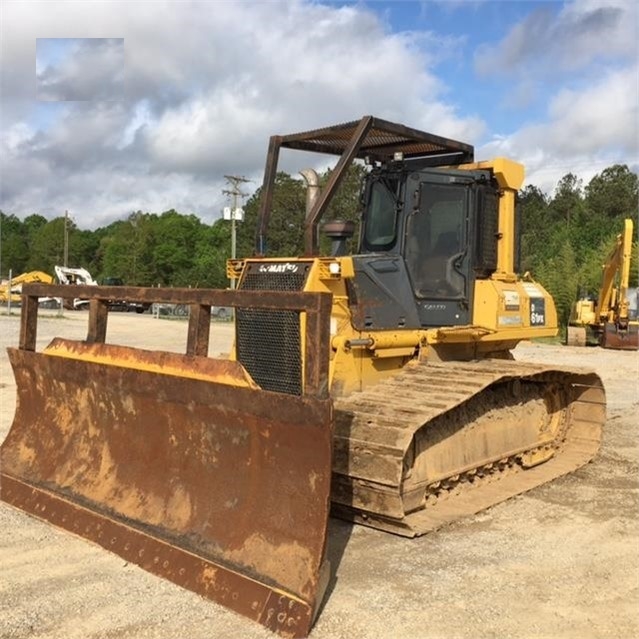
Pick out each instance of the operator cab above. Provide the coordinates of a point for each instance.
(429, 230)
(426, 235)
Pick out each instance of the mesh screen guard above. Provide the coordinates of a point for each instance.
(268, 342)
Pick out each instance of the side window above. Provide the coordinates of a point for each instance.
(381, 217)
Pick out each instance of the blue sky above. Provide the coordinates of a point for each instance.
(51, 51)
(109, 107)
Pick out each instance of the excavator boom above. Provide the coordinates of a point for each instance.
(13, 288)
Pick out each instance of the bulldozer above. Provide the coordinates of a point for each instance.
(611, 320)
(377, 386)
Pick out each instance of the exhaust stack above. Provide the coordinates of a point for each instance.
(312, 188)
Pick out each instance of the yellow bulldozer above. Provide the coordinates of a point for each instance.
(611, 319)
(378, 386)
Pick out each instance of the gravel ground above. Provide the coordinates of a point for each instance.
(560, 561)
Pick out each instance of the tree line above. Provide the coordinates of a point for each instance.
(564, 237)
(567, 237)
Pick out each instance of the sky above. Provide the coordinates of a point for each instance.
(109, 107)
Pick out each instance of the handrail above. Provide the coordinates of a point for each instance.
(316, 306)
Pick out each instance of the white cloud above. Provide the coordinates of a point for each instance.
(203, 85)
(604, 115)
(16, 135)
(582, 62)
(140, 119)
(586, 131)
(202, 88)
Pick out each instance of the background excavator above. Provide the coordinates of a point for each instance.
(381, 382)
(611, 319)
(63, 275)
(12, 289)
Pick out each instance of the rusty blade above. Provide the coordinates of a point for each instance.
(220, 488)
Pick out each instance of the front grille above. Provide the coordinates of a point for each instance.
(269, 342)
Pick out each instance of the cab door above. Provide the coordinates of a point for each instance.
(436, 247)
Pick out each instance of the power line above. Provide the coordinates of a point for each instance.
(235, 192)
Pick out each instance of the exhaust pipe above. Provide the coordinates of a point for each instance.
(312, 188)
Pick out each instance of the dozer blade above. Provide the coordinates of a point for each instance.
(181, 465)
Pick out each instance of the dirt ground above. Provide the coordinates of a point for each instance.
(561, 561)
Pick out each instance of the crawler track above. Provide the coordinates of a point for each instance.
(442, 441)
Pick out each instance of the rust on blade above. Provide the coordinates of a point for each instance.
(279, 611)
(180, 463)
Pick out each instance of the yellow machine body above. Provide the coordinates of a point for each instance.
(503, 308)
(358, 359)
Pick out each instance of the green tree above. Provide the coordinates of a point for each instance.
(559, 275)
(567, 238)
(613, 193)
(536, 227)
(175, 238)
(83, 250)
(127, 251)
(346, 205)
(14, 246)
(34, 222)
(567, 203)
(212, 249)
(611, 196)
(285, 236)
(47, 245)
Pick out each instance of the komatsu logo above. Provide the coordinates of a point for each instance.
(434, 307)
(281, 267)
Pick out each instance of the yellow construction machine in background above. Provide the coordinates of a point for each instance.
(382, 382)
(611, 320)
(12, 289)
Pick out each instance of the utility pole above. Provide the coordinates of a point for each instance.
(66, 238)
(235, 193)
